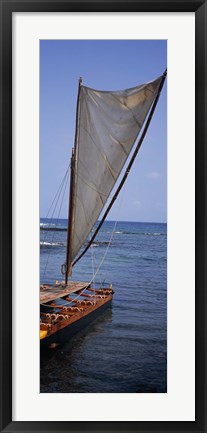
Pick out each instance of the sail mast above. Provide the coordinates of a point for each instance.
(127, 169)
(68, 267)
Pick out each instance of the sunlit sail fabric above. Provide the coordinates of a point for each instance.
(108, 125)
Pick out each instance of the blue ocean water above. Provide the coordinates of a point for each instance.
(125, 349)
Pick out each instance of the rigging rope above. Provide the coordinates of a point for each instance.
(92, 259)
(58, 190)
(82, 291)
(66, 177)
(122, 195)
(58, 193)
(103, 258)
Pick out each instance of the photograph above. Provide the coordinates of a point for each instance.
(103, 216)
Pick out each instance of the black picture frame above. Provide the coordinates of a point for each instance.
(7, 8)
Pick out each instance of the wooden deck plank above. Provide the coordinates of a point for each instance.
(51, 292)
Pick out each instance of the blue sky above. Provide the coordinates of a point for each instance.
(104, 65)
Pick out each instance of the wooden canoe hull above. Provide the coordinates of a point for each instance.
(64, 333)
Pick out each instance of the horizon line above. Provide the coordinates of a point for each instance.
(121, 221)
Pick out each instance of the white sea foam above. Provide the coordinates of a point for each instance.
(56, 244)
(46, 224)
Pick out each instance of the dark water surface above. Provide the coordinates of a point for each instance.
(125, 349)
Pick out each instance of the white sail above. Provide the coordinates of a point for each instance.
(108, 125)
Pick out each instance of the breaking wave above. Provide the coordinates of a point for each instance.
(46, 227)
(52, 244)
(144, 234)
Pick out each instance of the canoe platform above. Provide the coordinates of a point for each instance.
(49, 292)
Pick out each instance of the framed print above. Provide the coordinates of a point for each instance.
(72, 84)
